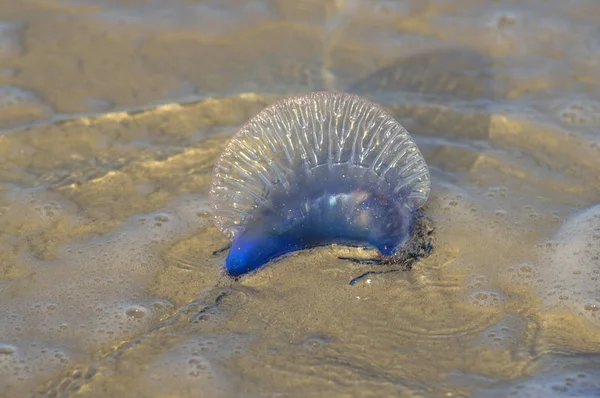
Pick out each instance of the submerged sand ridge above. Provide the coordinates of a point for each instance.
(113, 113)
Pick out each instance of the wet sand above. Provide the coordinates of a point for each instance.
(114, 112)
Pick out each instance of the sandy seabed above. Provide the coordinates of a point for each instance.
(113, 113)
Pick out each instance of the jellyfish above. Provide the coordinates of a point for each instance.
(318, 169)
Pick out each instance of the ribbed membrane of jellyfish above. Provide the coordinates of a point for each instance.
(317, 169)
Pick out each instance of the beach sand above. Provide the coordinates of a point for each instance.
(113, 113)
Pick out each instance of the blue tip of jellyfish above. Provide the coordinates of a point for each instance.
(237, 268)
(254, 248)
(313, 170)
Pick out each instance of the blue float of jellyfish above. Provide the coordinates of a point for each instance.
(313, 170)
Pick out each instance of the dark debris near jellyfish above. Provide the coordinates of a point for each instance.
(419, 246)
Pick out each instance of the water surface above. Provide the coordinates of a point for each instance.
(113, 112)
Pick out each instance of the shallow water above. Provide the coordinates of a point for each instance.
(113, 113)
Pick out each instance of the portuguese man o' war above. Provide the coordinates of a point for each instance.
(313, 170)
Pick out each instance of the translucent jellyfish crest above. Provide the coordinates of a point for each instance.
(323, 138)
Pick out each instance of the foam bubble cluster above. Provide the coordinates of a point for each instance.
(195, 367)
(570, 266)
(83, 297)
(557, 376)
(23, 362)
(579, 112)
(506, 334)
